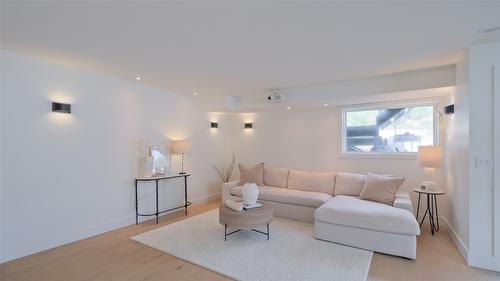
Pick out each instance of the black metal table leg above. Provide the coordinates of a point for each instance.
(432, 208)
(431, 214)
(423, 218)
(238, 230)
(436, 226)
(418, 205)
(267, 231)
(136, 205)
(157, 211)
(185, 197)
(227, 234)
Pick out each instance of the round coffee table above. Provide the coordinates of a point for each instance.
(245, 219)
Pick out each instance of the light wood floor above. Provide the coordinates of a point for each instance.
(114, 256)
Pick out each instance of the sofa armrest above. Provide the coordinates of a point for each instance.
(403, 201)
(226, 189)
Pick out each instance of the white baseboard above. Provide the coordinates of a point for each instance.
(489, 263)
(204, 199)
(456, 239)
(470, 258)
(69, 237)
(453, 234)
(66, 238)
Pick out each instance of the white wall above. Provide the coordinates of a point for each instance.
(369, 88)
(66, 177)
(457, 159)
(311, 140)
(484, 200)
(474, 210)
(396, 86)
(1, 186)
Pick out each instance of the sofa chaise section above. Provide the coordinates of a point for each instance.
(368, 225)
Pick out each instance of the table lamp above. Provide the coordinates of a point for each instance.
(430, 157)
(181, 147)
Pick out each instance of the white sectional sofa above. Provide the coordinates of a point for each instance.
(331, 200)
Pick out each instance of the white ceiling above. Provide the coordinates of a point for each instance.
(245, 48)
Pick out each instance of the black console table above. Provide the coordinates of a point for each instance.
(158, 212)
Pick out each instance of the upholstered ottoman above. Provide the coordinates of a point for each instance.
(368, 225)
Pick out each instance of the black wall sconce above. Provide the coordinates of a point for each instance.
(450, 109)
(248, 125)
(61, 107)
(214, 125)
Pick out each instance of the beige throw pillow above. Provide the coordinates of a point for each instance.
(311, 181)
(252, 174)
(276, 177)
(381, 188)
(349, 184)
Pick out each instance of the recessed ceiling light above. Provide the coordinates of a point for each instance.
(288, 108)
(137, 78)
(325, 104)
(195, 94)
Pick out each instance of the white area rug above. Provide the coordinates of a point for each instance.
(292, 253)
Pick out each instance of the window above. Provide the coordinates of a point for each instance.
(389, 129)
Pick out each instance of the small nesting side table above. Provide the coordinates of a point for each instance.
(156, 180)
(432, 209)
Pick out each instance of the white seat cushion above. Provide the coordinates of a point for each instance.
(355, 212)
(288, 196)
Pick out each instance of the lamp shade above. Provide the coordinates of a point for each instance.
(430, 156)
(181, 146)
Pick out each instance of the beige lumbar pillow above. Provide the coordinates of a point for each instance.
(381, 188)
(311, 181)
(252, 174)
(275, 177)
(349, 184)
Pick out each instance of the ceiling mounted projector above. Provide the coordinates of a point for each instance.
(276, 96)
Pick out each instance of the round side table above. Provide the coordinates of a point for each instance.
(432, 209)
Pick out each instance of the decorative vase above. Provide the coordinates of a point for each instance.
(145, 167)
(250, 193)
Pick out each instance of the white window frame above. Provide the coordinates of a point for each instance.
(379, 106)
